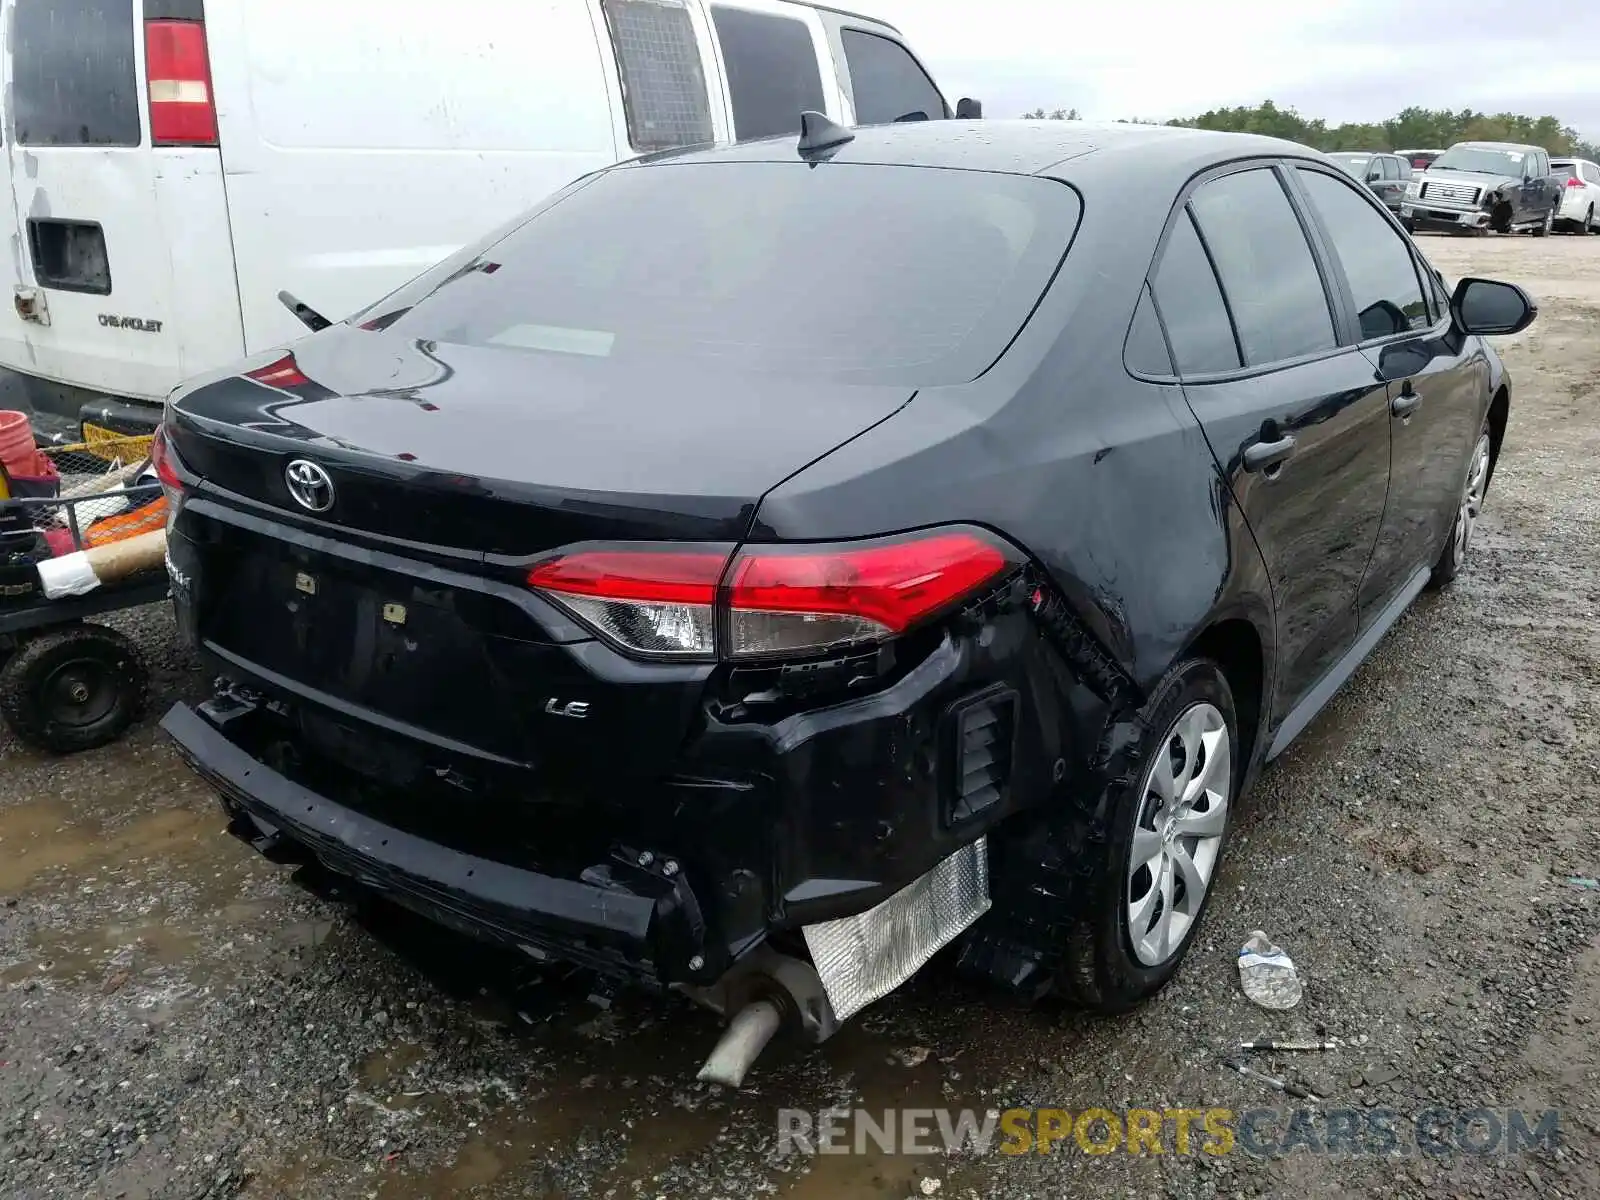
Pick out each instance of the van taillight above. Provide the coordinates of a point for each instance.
(178, 72)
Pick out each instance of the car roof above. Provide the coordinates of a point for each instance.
(1052, 148)
(1498, 146)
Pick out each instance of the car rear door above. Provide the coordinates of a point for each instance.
(1293, 413)
(107, 221)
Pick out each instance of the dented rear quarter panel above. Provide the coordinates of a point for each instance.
(1105, 481)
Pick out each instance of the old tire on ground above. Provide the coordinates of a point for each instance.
(73, 688)
(1167, 810)
(1454, 556)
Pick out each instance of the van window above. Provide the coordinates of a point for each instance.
(72, 73)
(663, 80)
(773, 75)
(1264, 261)
(931, 297)
(887, 81)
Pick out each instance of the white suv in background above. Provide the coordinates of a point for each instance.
(1580, 198)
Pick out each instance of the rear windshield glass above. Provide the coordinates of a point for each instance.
(72, 73)
(874, 274)
(1564, 170)
(1356, 164)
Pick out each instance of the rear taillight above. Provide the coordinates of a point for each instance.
(178, 76)
(280, 373)
(653, 601)
(164, 460)
(1574, 183)
(771, 600)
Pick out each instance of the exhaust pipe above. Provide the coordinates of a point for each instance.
(741, 1043)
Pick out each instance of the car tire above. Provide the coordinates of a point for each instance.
(1547, 226)
(1408, 224)
(1114, 956)
(1473, 488)
(1588, 222)
(73, 688)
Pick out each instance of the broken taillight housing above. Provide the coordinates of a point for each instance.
(767, 601)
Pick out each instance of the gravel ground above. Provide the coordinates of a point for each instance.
(180, 1019)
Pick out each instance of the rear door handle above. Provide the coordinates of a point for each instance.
(1405, 403)
(1264, 455)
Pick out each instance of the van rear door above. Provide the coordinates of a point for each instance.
(122, 248)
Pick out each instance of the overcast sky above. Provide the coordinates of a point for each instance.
(1345, 60)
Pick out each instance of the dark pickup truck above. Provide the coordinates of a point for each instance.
(1484, 185)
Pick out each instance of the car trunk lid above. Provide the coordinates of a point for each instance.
(467, 465)
(505, 453)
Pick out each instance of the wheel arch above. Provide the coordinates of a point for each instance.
(1236, 643)
(1499, 417)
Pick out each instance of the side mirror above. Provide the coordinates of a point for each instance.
(968, 109)
(1489, 307)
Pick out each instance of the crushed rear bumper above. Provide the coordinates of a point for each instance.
(640, 930)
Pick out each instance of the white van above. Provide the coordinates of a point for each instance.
(173, 165)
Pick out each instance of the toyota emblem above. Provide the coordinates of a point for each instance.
(309, 485)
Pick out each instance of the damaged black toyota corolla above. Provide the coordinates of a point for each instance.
(762, 567)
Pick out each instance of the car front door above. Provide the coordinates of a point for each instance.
(1394, 181)
(1532, 203)
(1294, 414)
(1436, 381)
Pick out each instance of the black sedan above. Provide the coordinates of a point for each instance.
(760, 567)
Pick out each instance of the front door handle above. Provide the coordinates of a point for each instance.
(1406, 402)
(1263, 456)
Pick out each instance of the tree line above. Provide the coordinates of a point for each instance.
(1411, 129)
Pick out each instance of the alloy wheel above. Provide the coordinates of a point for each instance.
(1177, 835)
(1471, 500)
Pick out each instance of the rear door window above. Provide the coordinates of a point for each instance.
(1391, 167)
(1192, 308)
(663, 81)
(72, 73)
(1376, 259)
(1146, 349)
(888, 83)
(773, 74)
(1265, 263)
